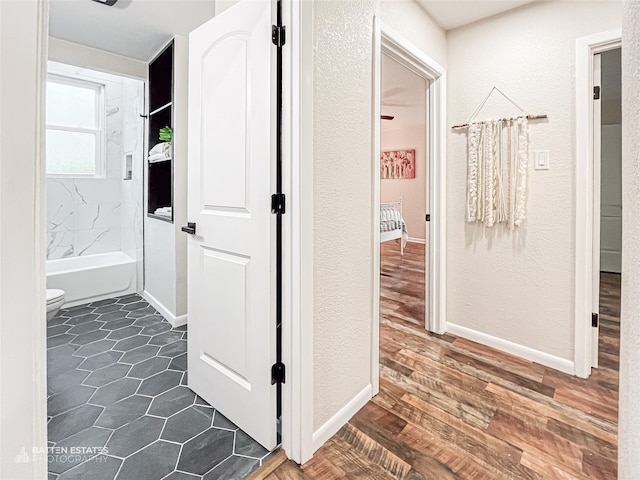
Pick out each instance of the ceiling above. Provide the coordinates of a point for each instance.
(132, 28)
(450, 14)
(403, 96)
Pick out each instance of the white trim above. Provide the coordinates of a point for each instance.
(164, 311)
(586, 47)
(335, 423)
(297, 323)
(421, 241)
(386, 40)
(551, 361)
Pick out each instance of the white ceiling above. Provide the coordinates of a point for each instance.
(451, 14)
(133, 28)
(403, 96)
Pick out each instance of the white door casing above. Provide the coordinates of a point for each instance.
(231, 344)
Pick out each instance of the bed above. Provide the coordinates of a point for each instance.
(392, 225)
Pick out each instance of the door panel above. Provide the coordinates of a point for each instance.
(231, 283)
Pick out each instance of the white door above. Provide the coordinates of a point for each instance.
(597, 121)
(231, 343)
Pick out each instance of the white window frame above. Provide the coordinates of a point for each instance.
(98, 132)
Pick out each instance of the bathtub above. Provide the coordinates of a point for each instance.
(92, 277)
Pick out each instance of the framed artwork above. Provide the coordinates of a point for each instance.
(398, 164)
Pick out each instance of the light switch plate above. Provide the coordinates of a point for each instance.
(541, 159)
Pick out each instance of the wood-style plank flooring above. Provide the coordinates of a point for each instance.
(449, 408)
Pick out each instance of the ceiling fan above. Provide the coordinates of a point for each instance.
(109, 3)
(387, 117)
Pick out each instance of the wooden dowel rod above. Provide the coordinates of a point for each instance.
(529, 117)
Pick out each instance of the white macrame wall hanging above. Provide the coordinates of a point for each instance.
(497, 165)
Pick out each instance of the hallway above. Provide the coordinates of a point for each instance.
(449, 408)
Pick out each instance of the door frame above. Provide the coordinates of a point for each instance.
(389, 42)
(586, 48)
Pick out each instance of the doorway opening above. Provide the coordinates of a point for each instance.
(607, 219)
(402, 164)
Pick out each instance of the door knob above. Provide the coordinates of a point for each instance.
(190, 228)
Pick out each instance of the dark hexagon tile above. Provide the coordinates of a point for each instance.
(181, 328)
(102, 467)
(130, 298)
(233, 467)
(173, 349)
(135, 436)
(58, 340)
(72, 422)
(107, 374)
(77, 311)
(94, 348)
(247, 446)
(125, 332)
(102, 303)
(187, 424)
(68, 399)
(185, 379)
(52, 331)
(61, 362)
(200, 400)
(89, 317)
(123, 412)
(89, 337)
(149, 320)
(51, 476)
(185, 335)
(65, 380)
(101, 360)
(143, 312)
(112, 317)
(149, 367)
(171, 402)
(156, 328)
(140, 354)
(118, 323)
(86, 327)
(113, 392)
(179, 363)
(165, 338)
(182, 476)
(207, 450)
(131, 343)
(221, 421)
(135, 306)
(86, 443)
(114, 307)
(151, 463)
(57, 320)
(159, 383)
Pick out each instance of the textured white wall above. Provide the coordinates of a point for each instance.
(342, 68)
(629, 427)
(413, 191)
(520, 286)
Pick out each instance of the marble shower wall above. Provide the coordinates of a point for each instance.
(95, 215)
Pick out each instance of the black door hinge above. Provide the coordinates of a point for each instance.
(594, 319)
(278, 203)
(428, 218)
(278, 35)
(277, 373)
(596, 93)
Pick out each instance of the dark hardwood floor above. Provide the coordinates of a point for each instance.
(449, 408)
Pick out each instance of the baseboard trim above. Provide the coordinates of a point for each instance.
(417, 240)
(551, 361)
(335, 423)
(171, 318)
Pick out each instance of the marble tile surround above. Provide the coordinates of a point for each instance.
(85, 215)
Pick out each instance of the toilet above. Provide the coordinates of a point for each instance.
(55, 301)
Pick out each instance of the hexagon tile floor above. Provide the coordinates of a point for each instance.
(119, 407)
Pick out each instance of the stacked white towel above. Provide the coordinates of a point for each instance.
(160, 152)
(163, 211)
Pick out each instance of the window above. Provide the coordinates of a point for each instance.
(75, 127)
